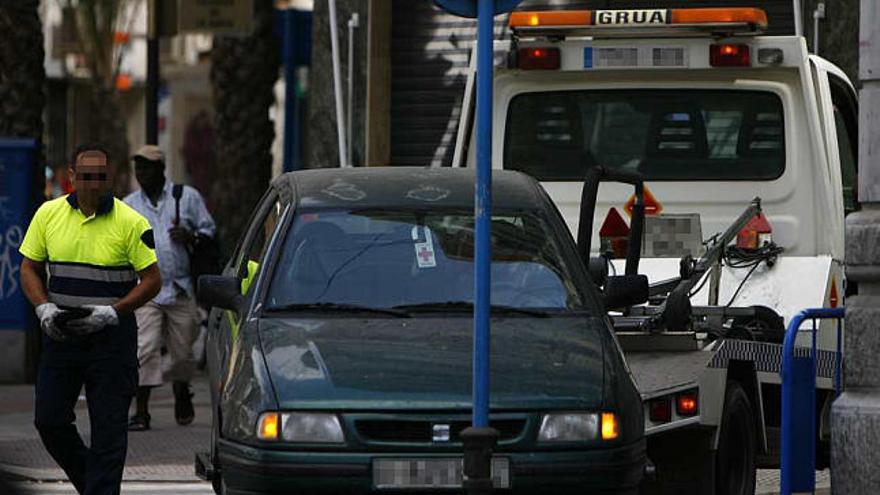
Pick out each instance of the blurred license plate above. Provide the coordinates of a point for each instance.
(432, 473)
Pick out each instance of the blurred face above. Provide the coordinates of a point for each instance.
(92, 178)
(150, 175)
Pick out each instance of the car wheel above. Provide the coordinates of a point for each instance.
(218, 485)
(217, 478)
(737, 445)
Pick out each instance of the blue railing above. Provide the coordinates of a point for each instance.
(799, 402)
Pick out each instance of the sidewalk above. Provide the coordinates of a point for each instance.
(767, 482)
(165, 453)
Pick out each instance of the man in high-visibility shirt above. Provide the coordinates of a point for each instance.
(101, 265)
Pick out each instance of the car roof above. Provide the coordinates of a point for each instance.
(435, 187)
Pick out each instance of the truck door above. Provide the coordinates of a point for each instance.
(838, 105)
(846, 124)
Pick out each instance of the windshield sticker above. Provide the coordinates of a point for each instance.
(424, 250)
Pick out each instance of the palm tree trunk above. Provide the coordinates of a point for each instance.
(23, 78)
(243, 73)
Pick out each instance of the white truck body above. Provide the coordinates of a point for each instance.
(804, 204)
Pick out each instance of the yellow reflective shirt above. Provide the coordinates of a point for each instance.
(91, 260)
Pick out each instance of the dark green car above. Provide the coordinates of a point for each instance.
(340, 347)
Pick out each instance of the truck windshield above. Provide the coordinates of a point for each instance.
(676, 135)
(406, 259)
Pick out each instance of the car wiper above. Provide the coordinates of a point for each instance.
(454, 306)
(337, 307)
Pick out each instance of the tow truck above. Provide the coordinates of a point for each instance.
(746, 144)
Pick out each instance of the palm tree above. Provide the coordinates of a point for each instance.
(22, 76)
(243, 73)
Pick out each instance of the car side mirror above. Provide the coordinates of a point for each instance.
(625, 290)
(220, 291)
(597, 267)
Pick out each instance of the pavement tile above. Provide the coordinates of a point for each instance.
(164, 453)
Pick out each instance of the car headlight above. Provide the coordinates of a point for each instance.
(311, 428)
(569, 427)
(300, 427)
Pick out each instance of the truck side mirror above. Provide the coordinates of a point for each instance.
(625, 290)
(220, 291)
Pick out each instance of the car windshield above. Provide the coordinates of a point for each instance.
(663, 134)
(418, 260)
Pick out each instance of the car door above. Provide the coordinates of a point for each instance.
(223, 331)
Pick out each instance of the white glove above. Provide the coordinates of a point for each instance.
(47, 312)
(102, 316)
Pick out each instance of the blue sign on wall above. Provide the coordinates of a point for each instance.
(16, 167)
(468, 8)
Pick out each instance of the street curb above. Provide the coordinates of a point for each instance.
(9, 472)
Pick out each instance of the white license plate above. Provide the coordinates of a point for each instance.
(446, 472)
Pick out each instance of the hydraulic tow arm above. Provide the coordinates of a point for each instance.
(675, 312)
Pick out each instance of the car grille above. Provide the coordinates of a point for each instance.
(415, 431)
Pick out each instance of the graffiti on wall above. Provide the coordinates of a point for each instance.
(10, 240)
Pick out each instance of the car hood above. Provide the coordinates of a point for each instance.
(425, 363)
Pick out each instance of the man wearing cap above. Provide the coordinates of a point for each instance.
(178, 216)
(101, 266)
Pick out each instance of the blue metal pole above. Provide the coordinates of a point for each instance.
(798, 456)
(483, 213)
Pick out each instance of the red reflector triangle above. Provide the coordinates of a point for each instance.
(759, 223)
(750, 236)
(652, 206)
(833, 299)
(614, 225)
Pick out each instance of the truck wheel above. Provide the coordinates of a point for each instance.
(737, 445)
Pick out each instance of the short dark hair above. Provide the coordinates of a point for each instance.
(82, 148)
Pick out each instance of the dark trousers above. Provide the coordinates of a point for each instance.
(106, 364)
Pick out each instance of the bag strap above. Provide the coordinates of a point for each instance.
(177, 193)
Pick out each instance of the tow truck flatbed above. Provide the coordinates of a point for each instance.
(660, 373)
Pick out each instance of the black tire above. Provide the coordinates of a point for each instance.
(217, 478)
(684, 463)
(735, 468)
(217, 484)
